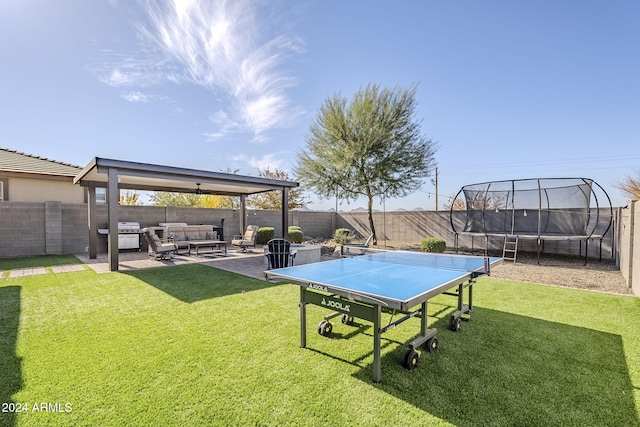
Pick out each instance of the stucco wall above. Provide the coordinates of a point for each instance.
(52, 188)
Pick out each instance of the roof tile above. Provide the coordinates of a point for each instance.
(16, 161)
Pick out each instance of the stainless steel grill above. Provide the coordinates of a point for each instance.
(129, 235)
(129, 228)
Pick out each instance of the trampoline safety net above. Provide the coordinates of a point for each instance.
(541, 207)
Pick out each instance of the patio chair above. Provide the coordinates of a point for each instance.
(157, 249)
(248, 239)
(279, 254)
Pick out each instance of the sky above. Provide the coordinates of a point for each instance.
(506, 89)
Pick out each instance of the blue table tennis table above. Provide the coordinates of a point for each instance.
(391, 281)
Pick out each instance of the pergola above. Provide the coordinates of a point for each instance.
(115, 175)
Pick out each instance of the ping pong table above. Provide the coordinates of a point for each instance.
(386, 281)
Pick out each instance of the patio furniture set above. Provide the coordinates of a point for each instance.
(196, 239)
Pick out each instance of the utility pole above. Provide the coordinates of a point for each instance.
(436, 189)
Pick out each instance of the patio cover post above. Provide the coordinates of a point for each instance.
(93, 235)
(113, 197)
(285, 213)
(243, 213)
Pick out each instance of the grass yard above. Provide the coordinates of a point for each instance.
(196, 346)
(37, 261)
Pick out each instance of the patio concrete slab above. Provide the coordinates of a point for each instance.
(246, 263)
(252, 264)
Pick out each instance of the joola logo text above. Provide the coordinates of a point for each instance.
(318, 287)
(336, 305)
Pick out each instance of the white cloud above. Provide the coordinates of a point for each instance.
(139, 97)
(225, 124)
(223, 47)
(267, 161)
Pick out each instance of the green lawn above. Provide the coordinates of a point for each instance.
(37, 261)
(196, 346)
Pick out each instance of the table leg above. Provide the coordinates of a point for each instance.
(303, 319)
(423, 320)
(377, 365)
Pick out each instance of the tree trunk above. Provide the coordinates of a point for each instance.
(374, 241)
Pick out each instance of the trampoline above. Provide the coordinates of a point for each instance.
(537, 209)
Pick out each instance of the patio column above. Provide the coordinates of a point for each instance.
(243, 213)
(285, 213)
(113, 197)
(93, 230)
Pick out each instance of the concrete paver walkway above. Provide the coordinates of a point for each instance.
(30, 271)
(250, 264)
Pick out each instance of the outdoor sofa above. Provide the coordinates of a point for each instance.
(181, 235)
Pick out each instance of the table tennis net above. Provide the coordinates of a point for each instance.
(420, 259)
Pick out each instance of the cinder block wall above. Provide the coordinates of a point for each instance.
(629, 245)
(412, 226)
(54, 227)
(75, 228)
(635, 260)
(22, 229)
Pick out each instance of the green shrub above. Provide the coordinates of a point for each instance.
(433, 244)
(295, 234)
(342, 236)
(264, 235)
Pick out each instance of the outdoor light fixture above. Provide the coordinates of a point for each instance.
(198, 190)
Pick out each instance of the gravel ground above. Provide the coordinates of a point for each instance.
(601, 276)
(553, 270)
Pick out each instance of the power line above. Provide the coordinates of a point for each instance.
(551, 162)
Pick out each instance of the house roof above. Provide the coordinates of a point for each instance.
(149, 177)
(18, 162)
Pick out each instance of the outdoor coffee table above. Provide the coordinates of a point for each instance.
(215, 246)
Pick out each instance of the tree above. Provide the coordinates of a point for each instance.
(272, 200)
(371, 146)
(219, 202)
(630, 186)
(193, 200)
(161, 198)
(457, 204)
(130, 198)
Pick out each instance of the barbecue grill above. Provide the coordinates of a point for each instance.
(128, 234)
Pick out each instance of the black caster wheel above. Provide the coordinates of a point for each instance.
(410, 359)
(432, 344)
(324, 328)
(347, 320)
(454, 324)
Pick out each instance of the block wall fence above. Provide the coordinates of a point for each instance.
(28, 229)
